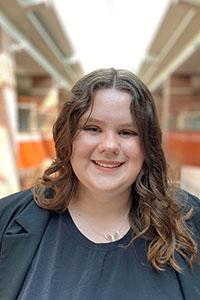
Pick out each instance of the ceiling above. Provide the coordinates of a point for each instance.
(175, 47)
(40, 44)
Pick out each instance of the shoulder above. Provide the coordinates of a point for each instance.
(12, 205)
(15, 202)
(187, 202)
(21, 206)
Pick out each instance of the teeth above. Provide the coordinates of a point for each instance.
(107, 165)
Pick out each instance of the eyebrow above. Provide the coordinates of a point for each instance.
(86, 120)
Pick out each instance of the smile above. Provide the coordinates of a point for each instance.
(109, 165)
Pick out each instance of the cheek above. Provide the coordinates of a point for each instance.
(133, 150)
(82, 146)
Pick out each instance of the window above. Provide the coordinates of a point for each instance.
(27, 117)
(188, 121)
(24, 120)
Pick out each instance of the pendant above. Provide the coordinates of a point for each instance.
(112, 237)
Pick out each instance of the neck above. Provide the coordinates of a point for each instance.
(101, 207)
(101, 217)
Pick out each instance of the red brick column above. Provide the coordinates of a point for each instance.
(9, 182)
(180, 101)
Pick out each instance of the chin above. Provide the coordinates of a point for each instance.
(109, 189)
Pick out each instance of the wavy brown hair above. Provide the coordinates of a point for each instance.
(155, 215)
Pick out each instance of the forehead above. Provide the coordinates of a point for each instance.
(110, 101)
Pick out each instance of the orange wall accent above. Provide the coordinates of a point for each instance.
(32, 153)
(183, 147)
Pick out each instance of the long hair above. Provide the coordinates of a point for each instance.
(156, 215)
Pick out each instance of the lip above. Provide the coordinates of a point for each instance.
(107, 165)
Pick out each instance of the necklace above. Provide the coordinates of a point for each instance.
(112, 237)
(107, 236)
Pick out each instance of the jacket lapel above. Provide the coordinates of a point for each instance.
(20, 243)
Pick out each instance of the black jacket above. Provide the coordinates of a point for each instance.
(22, 225)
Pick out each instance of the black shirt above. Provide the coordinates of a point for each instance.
(67, 265)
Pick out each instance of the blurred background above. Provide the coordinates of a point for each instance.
(45, 46)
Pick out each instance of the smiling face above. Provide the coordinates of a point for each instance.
(106, 154)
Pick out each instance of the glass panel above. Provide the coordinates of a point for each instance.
(24, 120)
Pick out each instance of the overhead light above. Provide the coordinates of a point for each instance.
(28, 3)
(70, 60)
(192, 2)
(151, 58)
(16, 47)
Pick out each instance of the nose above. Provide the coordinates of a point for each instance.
(109, 144)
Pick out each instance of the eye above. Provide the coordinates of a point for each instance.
(127, 132)
(91, 128)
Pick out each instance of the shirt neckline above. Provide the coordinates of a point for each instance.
(75, 233)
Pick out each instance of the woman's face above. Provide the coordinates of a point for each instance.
(106, 154)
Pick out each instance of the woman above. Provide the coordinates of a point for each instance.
(103, 223)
